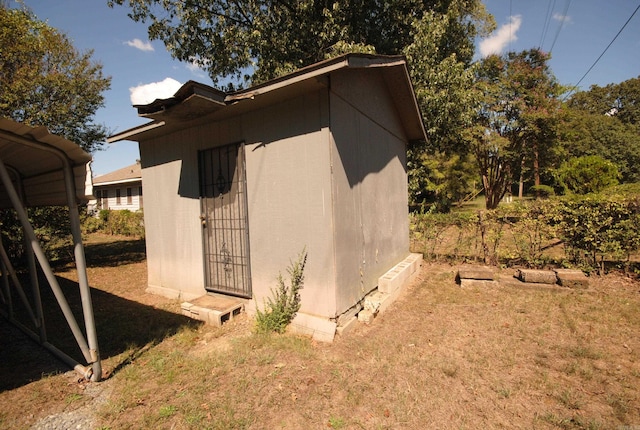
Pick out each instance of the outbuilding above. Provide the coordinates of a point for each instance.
(238, 184)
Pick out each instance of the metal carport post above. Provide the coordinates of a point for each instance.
(88, 346)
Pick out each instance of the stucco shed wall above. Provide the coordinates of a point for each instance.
(288, 169)
(289, 197)
(370, 186)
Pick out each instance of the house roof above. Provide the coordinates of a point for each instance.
(38, 158)
(127, 174)
(194, 101)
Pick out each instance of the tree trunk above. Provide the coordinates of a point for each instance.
(536, 168)
(521, 184)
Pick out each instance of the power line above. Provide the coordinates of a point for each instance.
(600, 56)
(547, 20)
(563, 18)
(510, 23)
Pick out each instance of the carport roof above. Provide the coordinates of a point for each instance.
(37, 157)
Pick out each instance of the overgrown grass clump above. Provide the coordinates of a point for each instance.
(280, 309)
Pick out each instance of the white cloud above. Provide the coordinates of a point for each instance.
(145, 94)
(139, 44)
(500, 38)
(562, 18)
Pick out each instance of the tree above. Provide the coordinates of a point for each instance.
(618, 100)
(515, 120)
(250, 41)
(443, 78)
(257, 40)
(584, 134)
(605, 121)
(534, 98)
(45, 81)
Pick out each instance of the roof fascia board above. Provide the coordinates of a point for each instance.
(125, 135)
(318, 69)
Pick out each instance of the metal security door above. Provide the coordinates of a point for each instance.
(223, 204)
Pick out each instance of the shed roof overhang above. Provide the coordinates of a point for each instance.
(195, 102)
(36, 160)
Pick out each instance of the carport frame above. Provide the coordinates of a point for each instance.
(89, 345)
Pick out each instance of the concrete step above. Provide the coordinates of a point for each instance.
(215, 309)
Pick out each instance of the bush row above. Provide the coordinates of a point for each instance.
(121, 222)
(580, 232)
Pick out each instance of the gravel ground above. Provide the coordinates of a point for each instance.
(22, 356)
(82, 418)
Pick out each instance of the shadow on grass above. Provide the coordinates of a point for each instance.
(125, 328)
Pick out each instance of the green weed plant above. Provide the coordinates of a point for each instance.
(280, 309)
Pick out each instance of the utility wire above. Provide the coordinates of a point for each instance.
(563, 19)
(547, 20)
(510, 24)
(599, 57)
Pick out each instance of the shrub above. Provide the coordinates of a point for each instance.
(588, 174)
(597, 228)
(280, 309)
(117, 222)
(51, 226)
(542, 191)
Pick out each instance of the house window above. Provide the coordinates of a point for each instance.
(118, 196)
(140, 196)
(129, 196)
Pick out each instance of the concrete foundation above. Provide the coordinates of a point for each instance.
(393, 283)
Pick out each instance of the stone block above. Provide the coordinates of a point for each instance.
(477, 283)
(347, 326)
(399, 274)
(484, 273)
(570, 278)
(537, 276)
(366, 316)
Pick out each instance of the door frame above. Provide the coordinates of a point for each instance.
(241, 262)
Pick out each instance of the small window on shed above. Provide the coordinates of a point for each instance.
(118, 196)
(129, 196)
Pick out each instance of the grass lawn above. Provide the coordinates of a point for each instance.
(441, 357)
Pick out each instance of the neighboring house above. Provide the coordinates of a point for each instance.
(239, 184)
(118, 190)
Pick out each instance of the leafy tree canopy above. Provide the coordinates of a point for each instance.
(584, 133)
(45, 81)
(620, 100)
(256, 40)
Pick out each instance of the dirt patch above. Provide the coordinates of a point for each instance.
(442, 357)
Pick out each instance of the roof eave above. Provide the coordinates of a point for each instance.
(194, 100)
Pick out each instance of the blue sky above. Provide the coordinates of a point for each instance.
(577, 32)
